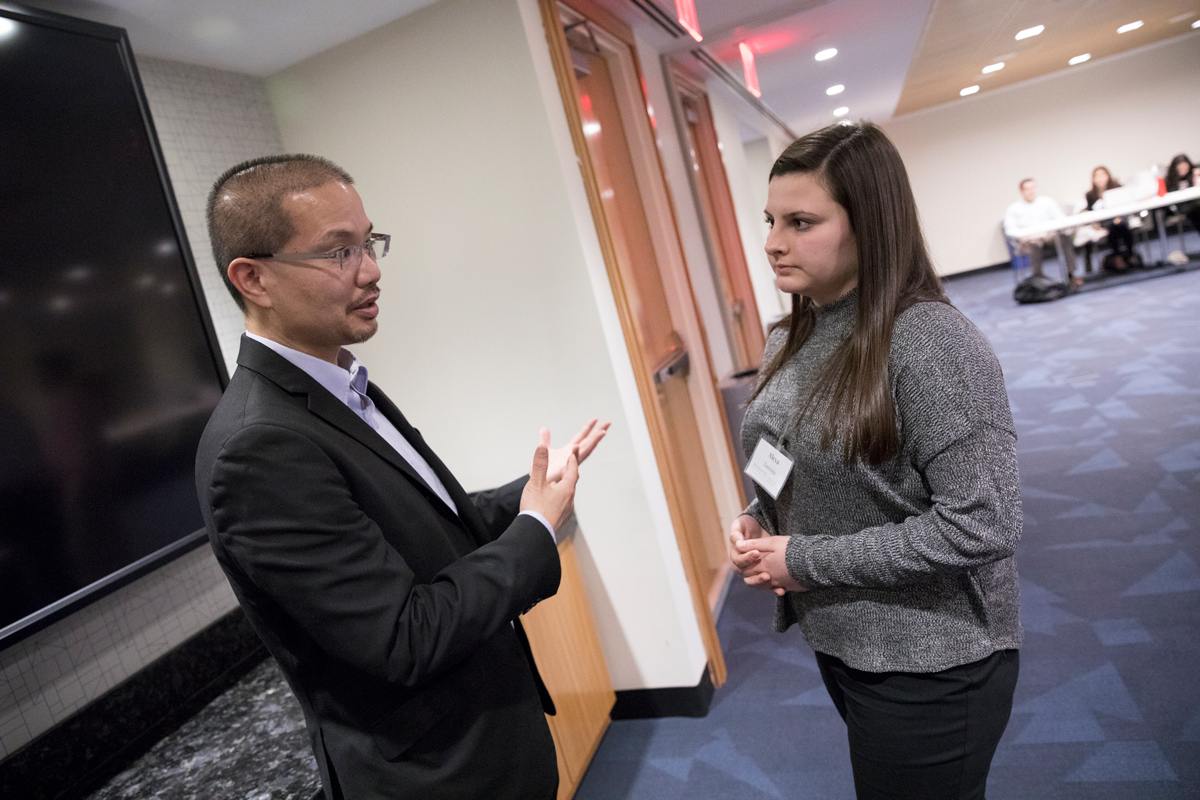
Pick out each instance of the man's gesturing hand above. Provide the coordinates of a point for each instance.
(553, 499)
(581, 447)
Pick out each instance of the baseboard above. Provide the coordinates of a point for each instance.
(672, 701)
(80, 755)
(1003, 265)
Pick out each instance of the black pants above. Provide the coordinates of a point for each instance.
(924, 736)
(1120, 238)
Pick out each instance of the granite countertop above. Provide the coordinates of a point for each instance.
(249, 743)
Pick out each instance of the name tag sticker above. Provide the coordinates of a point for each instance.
(769, 468)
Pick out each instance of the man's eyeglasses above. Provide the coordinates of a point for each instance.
(348, 257)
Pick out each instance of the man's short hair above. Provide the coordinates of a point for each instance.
(245, 210)
(1024, 181)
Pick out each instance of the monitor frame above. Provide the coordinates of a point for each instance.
(59, 610)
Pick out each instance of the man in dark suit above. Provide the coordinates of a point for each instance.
(388, 595)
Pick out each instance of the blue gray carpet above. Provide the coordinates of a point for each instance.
(1105, 390)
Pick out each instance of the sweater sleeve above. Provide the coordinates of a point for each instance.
(957, 431)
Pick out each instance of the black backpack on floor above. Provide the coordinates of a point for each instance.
(1039, 289)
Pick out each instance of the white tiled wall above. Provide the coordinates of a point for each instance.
(207, 121)
(47, 677)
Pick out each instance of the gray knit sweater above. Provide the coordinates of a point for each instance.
(909, 565)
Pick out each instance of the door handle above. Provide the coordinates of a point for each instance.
(676, 363)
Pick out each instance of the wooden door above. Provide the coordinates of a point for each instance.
(566, 646)
(739, 309)
(660, 361)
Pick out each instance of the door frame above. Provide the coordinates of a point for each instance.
(722, 239)
(643, 371)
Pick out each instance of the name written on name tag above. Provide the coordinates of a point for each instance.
(769, 467)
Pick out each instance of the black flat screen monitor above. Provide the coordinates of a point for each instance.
(109, 367)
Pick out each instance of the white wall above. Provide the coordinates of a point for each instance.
(676, 172)
(496, 316)
(207, 121)
(691, 283)
(759, 161)
(965, 158)
(729, 116)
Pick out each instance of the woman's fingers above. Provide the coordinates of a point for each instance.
(757, 579)
(748, 562)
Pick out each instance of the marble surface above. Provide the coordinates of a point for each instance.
(249, 744)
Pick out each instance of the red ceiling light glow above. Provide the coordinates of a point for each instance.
(685, 11)
(748, 68)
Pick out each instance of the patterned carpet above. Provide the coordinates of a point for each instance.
(1105, 390)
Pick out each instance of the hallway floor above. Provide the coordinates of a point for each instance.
(1105, 391)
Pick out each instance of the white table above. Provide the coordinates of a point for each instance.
(1155, 204)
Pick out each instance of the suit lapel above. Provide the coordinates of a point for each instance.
(266, 362)
(466, 508)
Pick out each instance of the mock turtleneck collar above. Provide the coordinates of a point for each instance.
(843, 306)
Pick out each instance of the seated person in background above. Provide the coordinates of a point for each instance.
(1120, 238)
(1031, 210)
(1182, 175)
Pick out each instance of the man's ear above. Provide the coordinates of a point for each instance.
(246, 275)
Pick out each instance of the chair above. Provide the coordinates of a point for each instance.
(1087, 237)
(1020, 261)
(1176, 218)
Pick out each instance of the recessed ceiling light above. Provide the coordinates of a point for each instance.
(999, 65)
(832, 90)
(1034, 31)
(1196, 24)
(841, 112)
(7, 26)
(969, 90)
(1133, 26)
(825, 55)
(1079, 59)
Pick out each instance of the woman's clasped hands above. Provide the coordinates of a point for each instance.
(759, 557)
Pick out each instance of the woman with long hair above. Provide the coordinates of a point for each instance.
(887, 505)
(1182, 175)
(1120, 238)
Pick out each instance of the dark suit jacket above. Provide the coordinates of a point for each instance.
(389, 614)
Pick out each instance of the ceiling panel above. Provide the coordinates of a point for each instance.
(256, 37)
(964, 36)
(875, 40)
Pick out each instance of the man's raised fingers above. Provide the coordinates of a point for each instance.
(584, 431)
(570, 471)
(541, 460)
(589, 444)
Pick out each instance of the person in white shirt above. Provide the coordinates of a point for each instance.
(1032, 210)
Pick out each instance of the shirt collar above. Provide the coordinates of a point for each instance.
(337, 379)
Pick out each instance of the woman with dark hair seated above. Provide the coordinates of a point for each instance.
(1182, 175)
(1120, 238)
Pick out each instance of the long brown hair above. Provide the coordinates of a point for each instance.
(1173, 177)
(1094, 193)
(862, 171)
